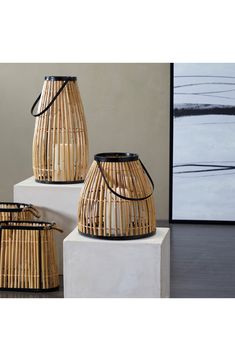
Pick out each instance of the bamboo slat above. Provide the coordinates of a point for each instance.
(60, 143)
(10, 211)
(125, 209)
(28, 255)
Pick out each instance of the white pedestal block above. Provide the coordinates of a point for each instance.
(105, 268)
(57, 203)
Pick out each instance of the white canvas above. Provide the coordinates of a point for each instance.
(204, 142)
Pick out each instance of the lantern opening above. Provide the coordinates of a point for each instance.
(116, 157)
(60, 78)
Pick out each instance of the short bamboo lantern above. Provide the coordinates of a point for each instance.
(60, 144)
(28, 257)
(17, 211)
(117, 200)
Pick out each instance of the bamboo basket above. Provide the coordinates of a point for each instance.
(60, 143)
(10, 211)
(28, 258)
(117, 200)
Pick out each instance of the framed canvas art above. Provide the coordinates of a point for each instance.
(202, 164)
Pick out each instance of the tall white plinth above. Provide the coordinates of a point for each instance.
(105, 268)
(56, 202)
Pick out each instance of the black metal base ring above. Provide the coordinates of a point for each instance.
(50, 182)
(39, 290)
(119, 238)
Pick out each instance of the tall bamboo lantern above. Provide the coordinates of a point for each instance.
(60, 144)
(17, 211)
(117, 201)
(28, 258)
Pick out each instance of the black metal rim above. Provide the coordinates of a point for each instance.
(119, 238)
(60, 78)
(20, 206)
(40, 225)
(50, 182)
(116, 157)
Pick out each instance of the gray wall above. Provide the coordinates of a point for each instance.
(126, 106)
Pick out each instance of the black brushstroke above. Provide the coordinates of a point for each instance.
(208, 95)
(206, 92)
(204, 76)
(212, 168)
(212, 96)
(183, 110)
(203, 171)
(202, 165)
(205, 83)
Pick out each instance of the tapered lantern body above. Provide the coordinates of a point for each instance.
(60, 144)
(117, 200)
(28, 257)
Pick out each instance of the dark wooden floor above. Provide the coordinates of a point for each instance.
(202, 263)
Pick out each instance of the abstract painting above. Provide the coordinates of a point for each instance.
(203, 142)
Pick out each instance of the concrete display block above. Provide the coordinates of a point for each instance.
(57, 202)
(105, 268)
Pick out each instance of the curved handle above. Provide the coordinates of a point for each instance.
(33, 210)
(51, 102)
(124, 197)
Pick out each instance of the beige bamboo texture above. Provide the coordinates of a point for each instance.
(101, 213)
(17, 212)
(60, 144)
(28, 258)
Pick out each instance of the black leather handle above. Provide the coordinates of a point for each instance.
(51, 102)
(124, 197)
